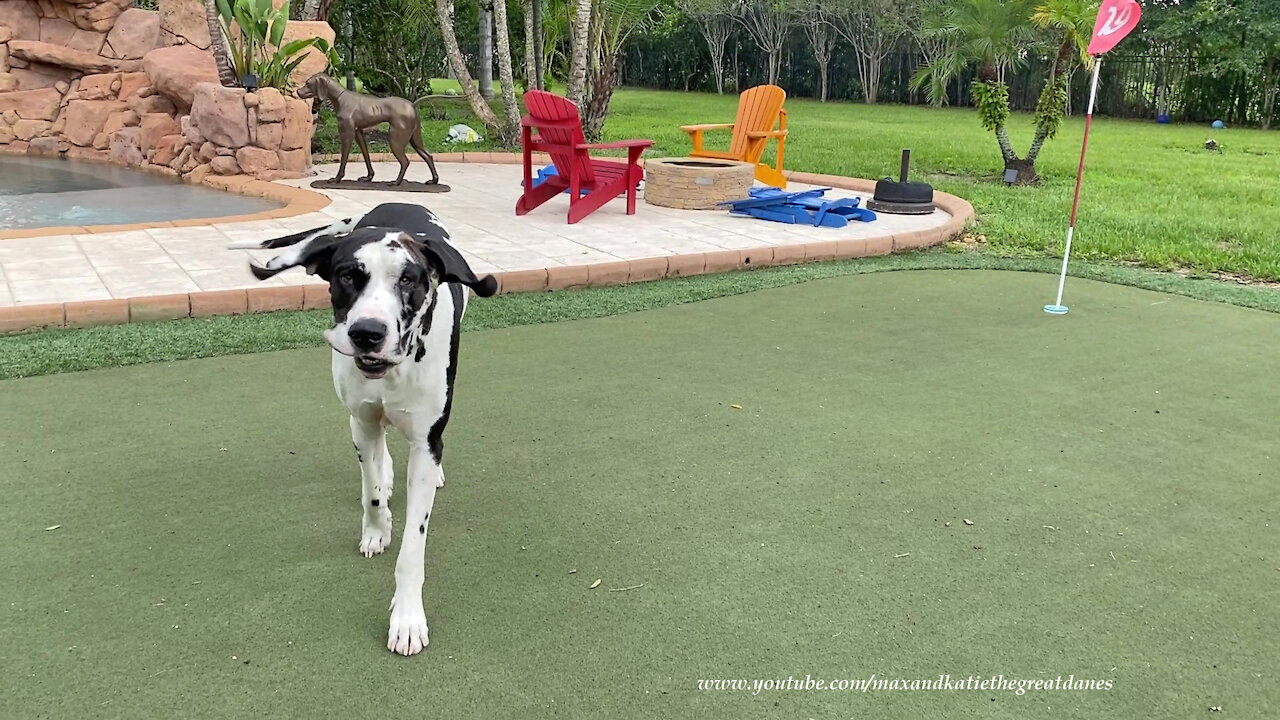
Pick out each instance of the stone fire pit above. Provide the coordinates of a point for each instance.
(696, 183)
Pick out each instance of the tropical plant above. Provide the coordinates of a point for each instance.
(255, 30)
(611, 23)
(1071, 24)
(996, 36)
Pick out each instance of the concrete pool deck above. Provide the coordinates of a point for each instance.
(183, 269)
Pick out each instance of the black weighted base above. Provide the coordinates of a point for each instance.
(406, 186)
(900, 208)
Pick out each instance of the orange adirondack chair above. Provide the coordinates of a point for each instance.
(560, 135)
(759, 110)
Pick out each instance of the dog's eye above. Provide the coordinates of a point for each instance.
(406, 281)
(347, 278)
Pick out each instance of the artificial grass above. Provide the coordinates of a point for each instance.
(70, 350)
(1152, 194)
(1114, 464)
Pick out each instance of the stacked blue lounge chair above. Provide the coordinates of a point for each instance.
(807, 207)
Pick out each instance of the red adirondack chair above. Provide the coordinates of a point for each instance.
(560, 135)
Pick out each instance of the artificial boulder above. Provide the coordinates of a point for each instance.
(61, 56)
(254, 161)
(144, 105)
(176, 71)
(28, 129)
(21, 19)
(297, 125)
(225, 165)
(124, 147)
(86, 118)
(182, 22)
(269, 136)
(136, 33)
(315, 60)
(271, 105)
(120, 119)
(294, 161)
(155, 126)
(167, 148)
(132, 83)
(39, 104)
(98, 87)
(221, 115)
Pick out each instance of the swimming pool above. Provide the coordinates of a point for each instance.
(50, 192)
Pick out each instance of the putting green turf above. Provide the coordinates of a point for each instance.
(1117, 464)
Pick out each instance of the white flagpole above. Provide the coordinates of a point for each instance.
(1057, 308)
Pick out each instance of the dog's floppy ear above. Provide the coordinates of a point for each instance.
(312, 249)
(315, 255)
(452, 266)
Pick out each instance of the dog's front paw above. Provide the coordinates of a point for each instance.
(440, 479)
(377, 533)
(408, 632)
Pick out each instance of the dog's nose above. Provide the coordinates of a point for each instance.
(367, 335)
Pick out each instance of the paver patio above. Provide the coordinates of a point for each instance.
(479, 212)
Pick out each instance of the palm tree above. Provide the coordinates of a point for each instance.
(1072, 21)
(580, 48)
(218, 45)
(997, 36)
(444, 15)
(505, 75)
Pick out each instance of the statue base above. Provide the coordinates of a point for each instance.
(407, 186)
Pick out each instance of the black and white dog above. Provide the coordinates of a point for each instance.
(398, 295)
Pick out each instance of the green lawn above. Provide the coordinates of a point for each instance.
(180, 537)
(1153, 195)
(55, 351)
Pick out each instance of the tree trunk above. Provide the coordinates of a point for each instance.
(530, 48)
(822, 75)
(484, 63)
(873, 79)
(459, 68)
(1269, 88)
(597, 106)
(775, 60)
(580, 49)
(322, 13)
(1006, 147)
(511, 131)
(538, 57)
(310, 10)
(1026, 171)
(218, 46)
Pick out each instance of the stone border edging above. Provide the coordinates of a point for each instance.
(298, 201)
(88, 313)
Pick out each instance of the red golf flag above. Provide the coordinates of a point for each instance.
(1116, 19)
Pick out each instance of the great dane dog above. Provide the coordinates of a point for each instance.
(357, 112)
(399, 290)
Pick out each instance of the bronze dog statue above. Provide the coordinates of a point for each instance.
(357, 112)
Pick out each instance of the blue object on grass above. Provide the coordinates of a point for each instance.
(1056, 309)
(808, 207)
(1218, 125)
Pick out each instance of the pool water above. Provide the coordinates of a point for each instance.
(49, 192)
